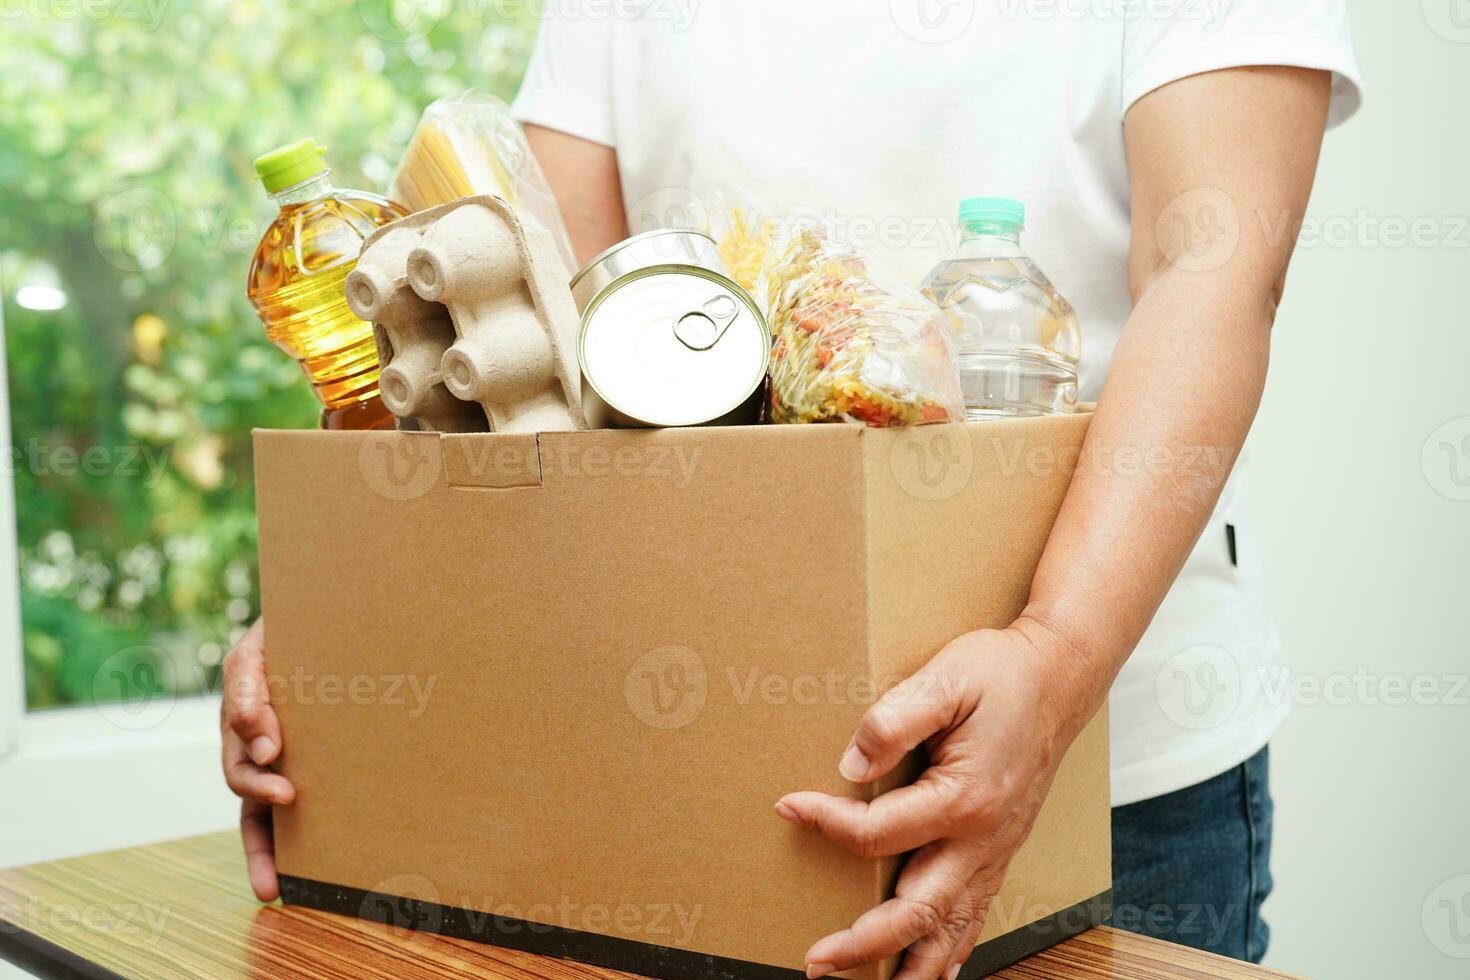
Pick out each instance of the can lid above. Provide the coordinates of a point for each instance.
(674, 345)
(645, 236)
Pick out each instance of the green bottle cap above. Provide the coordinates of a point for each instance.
(992, 210)
(287, 166)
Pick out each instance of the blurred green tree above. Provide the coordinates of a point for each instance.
(137, 368)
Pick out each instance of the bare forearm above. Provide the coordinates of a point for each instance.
(1168, 428)
(584, 177)
(1219, 163)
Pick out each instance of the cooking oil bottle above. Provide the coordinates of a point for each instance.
(297, 276)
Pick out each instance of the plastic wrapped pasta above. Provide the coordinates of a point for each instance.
(746, 245)
(849, 346)
(470, 144)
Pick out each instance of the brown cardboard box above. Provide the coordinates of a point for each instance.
(543, 691)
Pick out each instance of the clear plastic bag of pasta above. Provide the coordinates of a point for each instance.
(851, 345)
(470, 144)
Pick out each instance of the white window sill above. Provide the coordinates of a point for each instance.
(80, 780)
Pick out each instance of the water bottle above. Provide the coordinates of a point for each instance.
(1017, 338)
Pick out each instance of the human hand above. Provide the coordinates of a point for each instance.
(251, 737)
(997, 712)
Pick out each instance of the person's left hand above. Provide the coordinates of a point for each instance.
(997, 712)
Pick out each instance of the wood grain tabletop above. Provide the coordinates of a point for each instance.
(183, 909)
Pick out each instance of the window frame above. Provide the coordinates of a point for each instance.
(62, 768)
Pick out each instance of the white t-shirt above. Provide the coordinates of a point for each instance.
(882, 116)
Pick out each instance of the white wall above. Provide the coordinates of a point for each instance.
(1369, 562)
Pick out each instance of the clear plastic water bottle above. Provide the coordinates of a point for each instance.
(1017, 338)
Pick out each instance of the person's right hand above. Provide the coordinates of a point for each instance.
(251, 736)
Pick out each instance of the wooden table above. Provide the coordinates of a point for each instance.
(184, 910)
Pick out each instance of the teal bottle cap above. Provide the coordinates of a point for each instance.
(992, 210)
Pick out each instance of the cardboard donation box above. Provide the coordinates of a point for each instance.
(543, 691)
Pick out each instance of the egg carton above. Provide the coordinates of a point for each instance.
(475, 322)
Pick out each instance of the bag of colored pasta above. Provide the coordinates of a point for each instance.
(851, 345)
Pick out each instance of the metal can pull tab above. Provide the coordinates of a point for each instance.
(701, 329)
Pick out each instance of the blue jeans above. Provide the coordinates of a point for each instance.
(1193, 867)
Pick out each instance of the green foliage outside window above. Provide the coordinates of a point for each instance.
(128, 215)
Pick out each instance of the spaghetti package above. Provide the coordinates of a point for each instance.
(467, 145)
(849, 345)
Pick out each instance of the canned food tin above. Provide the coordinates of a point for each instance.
(673, 345)
(665, 246)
